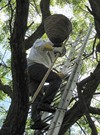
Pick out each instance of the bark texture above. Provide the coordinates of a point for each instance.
(16, 118)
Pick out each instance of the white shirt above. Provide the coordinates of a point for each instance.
(38, 55)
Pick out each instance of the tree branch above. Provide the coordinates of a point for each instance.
(85, 110)
(81, 128)
(6, 89)
(11, 18)
(94, 110)
(5, 5)
(44, 5)
(37, 34)
(95, 5)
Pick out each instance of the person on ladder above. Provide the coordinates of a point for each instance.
(40, 58)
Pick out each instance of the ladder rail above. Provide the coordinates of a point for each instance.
(59, 115)
(68, 61)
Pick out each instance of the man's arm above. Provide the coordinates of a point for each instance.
(49, 46)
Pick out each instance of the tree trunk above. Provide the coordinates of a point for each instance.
(16, 119)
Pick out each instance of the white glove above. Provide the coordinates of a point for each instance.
(60, 50)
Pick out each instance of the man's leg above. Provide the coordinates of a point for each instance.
(53, 79)
(35, 113)
(54, 84)
(36, 122)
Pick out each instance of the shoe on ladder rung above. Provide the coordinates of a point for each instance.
(39, 125)
(46, 108)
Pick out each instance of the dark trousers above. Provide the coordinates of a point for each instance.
(36, 73)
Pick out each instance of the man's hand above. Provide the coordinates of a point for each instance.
(62, 76)
(60, 50)
(48, 47)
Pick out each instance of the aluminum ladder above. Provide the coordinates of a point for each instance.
(67, 94)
